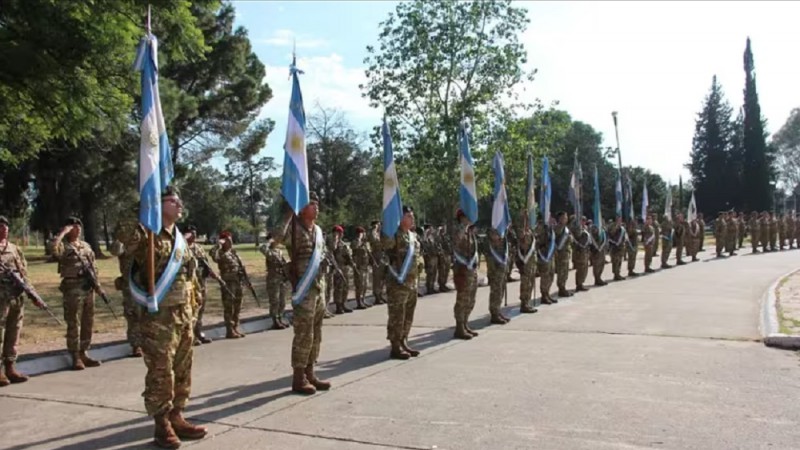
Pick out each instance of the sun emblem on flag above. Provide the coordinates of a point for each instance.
(388, 182)
(469, 177)
(296, 143)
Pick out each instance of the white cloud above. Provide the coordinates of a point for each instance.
(288, 38)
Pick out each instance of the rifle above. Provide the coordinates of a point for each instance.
(20, 283)
(90, 276)
(245, 278)
(332, 261)
(204, 264)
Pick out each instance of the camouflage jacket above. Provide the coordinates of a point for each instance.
(396, 249)
(12, 258)
(227, 262)
(181, 290)
(69, 256)
(361, 253)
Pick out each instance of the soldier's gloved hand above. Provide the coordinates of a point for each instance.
(40, 305)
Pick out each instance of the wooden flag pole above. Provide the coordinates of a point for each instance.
(151, 245)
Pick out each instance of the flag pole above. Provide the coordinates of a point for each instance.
(151, 242)
(619, 162)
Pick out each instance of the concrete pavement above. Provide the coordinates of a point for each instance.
(670, 360)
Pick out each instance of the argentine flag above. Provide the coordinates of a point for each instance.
(468, 193)
(645, 202)
(294, 186)
(501, 217)
(668, 202)
(598, 214)
(530, 201)
(392, 205)
(155, 160)
(691, 213)
(618, 196)
(544, 202)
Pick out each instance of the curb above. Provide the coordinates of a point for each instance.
(770, 326)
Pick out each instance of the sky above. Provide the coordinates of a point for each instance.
(652, 62)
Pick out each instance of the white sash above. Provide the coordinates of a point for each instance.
(502, 260)
(164, 282)
(563, 239)
(412, 248)
(311, 270)
(550, 249)
(528, 255)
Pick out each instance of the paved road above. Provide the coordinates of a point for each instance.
(666, 361)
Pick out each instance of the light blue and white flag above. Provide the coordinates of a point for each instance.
(468, 194)
(294, 185)
(530, 200)
(668, 202)
(645, 201)
(618, 196)
(546, 193)
(598, 214)
(501, 216)
(155, 160)
(392, 205)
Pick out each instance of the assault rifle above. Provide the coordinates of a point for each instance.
(204, 264)
(20, 283)
(89, 275)
(243, 276)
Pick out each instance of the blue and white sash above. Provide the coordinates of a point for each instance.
(650, 240)
(412, 248)
(502, 260)
(564, 237)
(550, 250)
(311, 270)
(528, 255)
(588, 241)
(164, 283)
(603, 239)
(472, 264)
(668, 238)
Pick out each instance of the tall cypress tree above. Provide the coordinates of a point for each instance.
(757, 169)
(710, 152)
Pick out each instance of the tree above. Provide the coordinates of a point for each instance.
(787, 144)
(711, 148)
(758, 171)
(246, 172)
(205, 204)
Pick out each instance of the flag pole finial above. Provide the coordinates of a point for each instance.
(148, 19)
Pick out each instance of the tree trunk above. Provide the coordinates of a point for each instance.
(105, 231)
(88, 212)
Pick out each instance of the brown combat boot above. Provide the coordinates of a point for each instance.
(526, 308)
(87, 361)
(398, 352)
(277, 324)
(404, 345)
(164, 435)
(239, 332)
(184, 429)
(321, 385)
(360, 304)
(4, 381)
(12, 374)
(300, 383)
(136, 352)
(77, 362)
(496, 319)
(231, 334)
(461, 332)
(469, 330)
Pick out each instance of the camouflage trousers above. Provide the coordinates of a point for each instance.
(131, 311)
(754, 241)
(201, 296)
(545, 271)
(581, 263)
(527, 282)
(12, 311)
(328, 287)
(764, 240)
(730, 244)
(402, 302)
(616, 260)
(278, 290)
(431, 269)
(656, 244)
(510, 266)
(679, 247)
(497, 287)
(562, 270)
(665, 251)
(773, 239)
(379, 283)
(360, 281)
(444, 270)
(691, 246)
(598, 264)
(232, 305)
(631, 251)
(782, 240)
(720, 245)
(466, 282)
(307, 324)
(741, 240)
(648, 256)
(340, 288)
(167, 348)
(78, 314)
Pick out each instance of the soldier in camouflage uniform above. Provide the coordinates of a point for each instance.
(279, 288)
(404, 252)
(78, 294)
(667, 236)
(782, 232)
(731, 234)
(702, 224)
(230, 271)
(430, 253)
(581, 245)
(692, 238)
(445, 258)
(124, 228)
(341, 255)
(496, 252)
(511, 237)
(649, 239)
(563, 247)
(598, 251)
(202, 273)
(12, 306)
(617, 239)
(720, 233)
(545, 251)
(378, 264)
(679, 239)
(657, 229)
(361, 254)
(755, 230)
(742, 228)
(526, 264)
(773, 232)
(763, 226)
(632, 246)
(790, 230)
(167, 333)
(465, 275)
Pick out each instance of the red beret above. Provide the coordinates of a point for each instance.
(225, 235)
(360, 229)
(459, 213)
(338, 229)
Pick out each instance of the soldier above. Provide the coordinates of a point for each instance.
(782, 232)
(166, 325)
(763, 226)
(511, 238)
(378, 264)
(465, 275)
(649, 239)
(679, 239)
(545, 251)
(742, 228)
(731, 228)
(228, 263)
(720, 232)
(445, 258)
(202, 273)
(430, 253)
(773, 232)
(404, 251)
(279, 288)
(657, 230)
(581, 243)
(496, 251)
(617, 238)
(124, 228)
(526, 260)
(307, 255)
(12, 305)
(563, 248)
(667, 235)
(790, 230)
(341, 257)
(598, 253)
(702, 224)
(78, 293)
(361, 255)
(633, 246)
(755, 230)
(692, 239)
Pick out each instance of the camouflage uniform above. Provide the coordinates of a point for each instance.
(343, 256)
(730, 235)
(679, 240)
(692, 238)
(544, 261)
(430, 253)
(361, 260)
(496, 262)
(526, 248)
(12, 307)
(200, 292)
(465, 279)
(667, 235)
(720, 233)
(755, 231)
(657, 231)
(445, 259)
(702, 224)
(581, 245)
(782, 232)
(511, 237)
(764, 227)
(378, 267)
(122, 230)
(562, 258)
(616, 239)
(649, 239)
(598, 254)
(632, 246)
(328, 271)
(773, 233)
(790, 231)
(742, 230)
(402, 296)
(279, 288)
(230, 272)
(78, 294)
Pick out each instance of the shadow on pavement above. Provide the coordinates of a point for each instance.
(140, 428)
